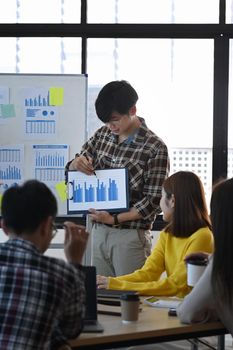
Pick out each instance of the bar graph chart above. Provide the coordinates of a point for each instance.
(49, 162)
(36, 101)
(40, 117)
(11, 165)
(90, 193)
(107, 190)
(101, 192)
(10, 173)
(112, 190)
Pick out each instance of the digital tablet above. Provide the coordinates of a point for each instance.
(106, 190)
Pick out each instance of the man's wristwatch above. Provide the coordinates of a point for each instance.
(116, 222)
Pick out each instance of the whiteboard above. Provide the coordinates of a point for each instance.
(42, 126)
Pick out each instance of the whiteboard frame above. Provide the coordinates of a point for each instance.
(72, 125)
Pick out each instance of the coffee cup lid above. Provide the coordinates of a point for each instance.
(130, 296)
(199, 262)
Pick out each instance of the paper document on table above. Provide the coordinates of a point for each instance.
(166, 303)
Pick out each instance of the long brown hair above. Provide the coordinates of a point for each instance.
(190, 210)
(222, 222)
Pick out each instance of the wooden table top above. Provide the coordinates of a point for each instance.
(152, 323)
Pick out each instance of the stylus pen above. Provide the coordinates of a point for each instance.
(88, 161)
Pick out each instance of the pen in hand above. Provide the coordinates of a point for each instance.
(88, 161)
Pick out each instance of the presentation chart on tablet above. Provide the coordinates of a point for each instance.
(107, 190)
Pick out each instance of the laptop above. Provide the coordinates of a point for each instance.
(91, 323)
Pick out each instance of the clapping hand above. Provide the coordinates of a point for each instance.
(75, 242)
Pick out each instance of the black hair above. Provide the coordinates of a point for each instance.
(25, 207)
(116, 96)
(222, 223)
(190, 210)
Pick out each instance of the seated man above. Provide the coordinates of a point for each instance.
(41, 298)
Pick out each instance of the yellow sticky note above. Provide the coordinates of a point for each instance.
(61, 190)
(56, 96)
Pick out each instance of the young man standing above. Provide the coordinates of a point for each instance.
(41, 298)
(121, 242)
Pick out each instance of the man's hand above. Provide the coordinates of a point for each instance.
(102, 282)
(75, 242)
(101, 216)
(83, 164)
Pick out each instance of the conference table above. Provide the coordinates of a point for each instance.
(153, 326)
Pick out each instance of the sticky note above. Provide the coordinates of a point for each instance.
(61, 190)
(56, 96)
(8, 111)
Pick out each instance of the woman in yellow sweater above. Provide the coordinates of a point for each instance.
(188, 230)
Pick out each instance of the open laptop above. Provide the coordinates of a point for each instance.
(91, 323)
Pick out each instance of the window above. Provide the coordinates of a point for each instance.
(175, 91)
(40, 11)
(153, 11)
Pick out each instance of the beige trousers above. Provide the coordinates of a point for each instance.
(119, 251)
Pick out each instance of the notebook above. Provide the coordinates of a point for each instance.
(91, 323)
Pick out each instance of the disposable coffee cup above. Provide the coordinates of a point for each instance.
(195, 268)
(129, 307)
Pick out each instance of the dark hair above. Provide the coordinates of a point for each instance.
(222, 223)
(116, 96)
(25, 207)
(190, 210)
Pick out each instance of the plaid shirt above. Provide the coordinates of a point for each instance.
(145, 156)
(41, 298)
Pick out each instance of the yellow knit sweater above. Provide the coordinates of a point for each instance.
(168, 255)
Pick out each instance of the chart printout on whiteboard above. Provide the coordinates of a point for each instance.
(108, 190)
